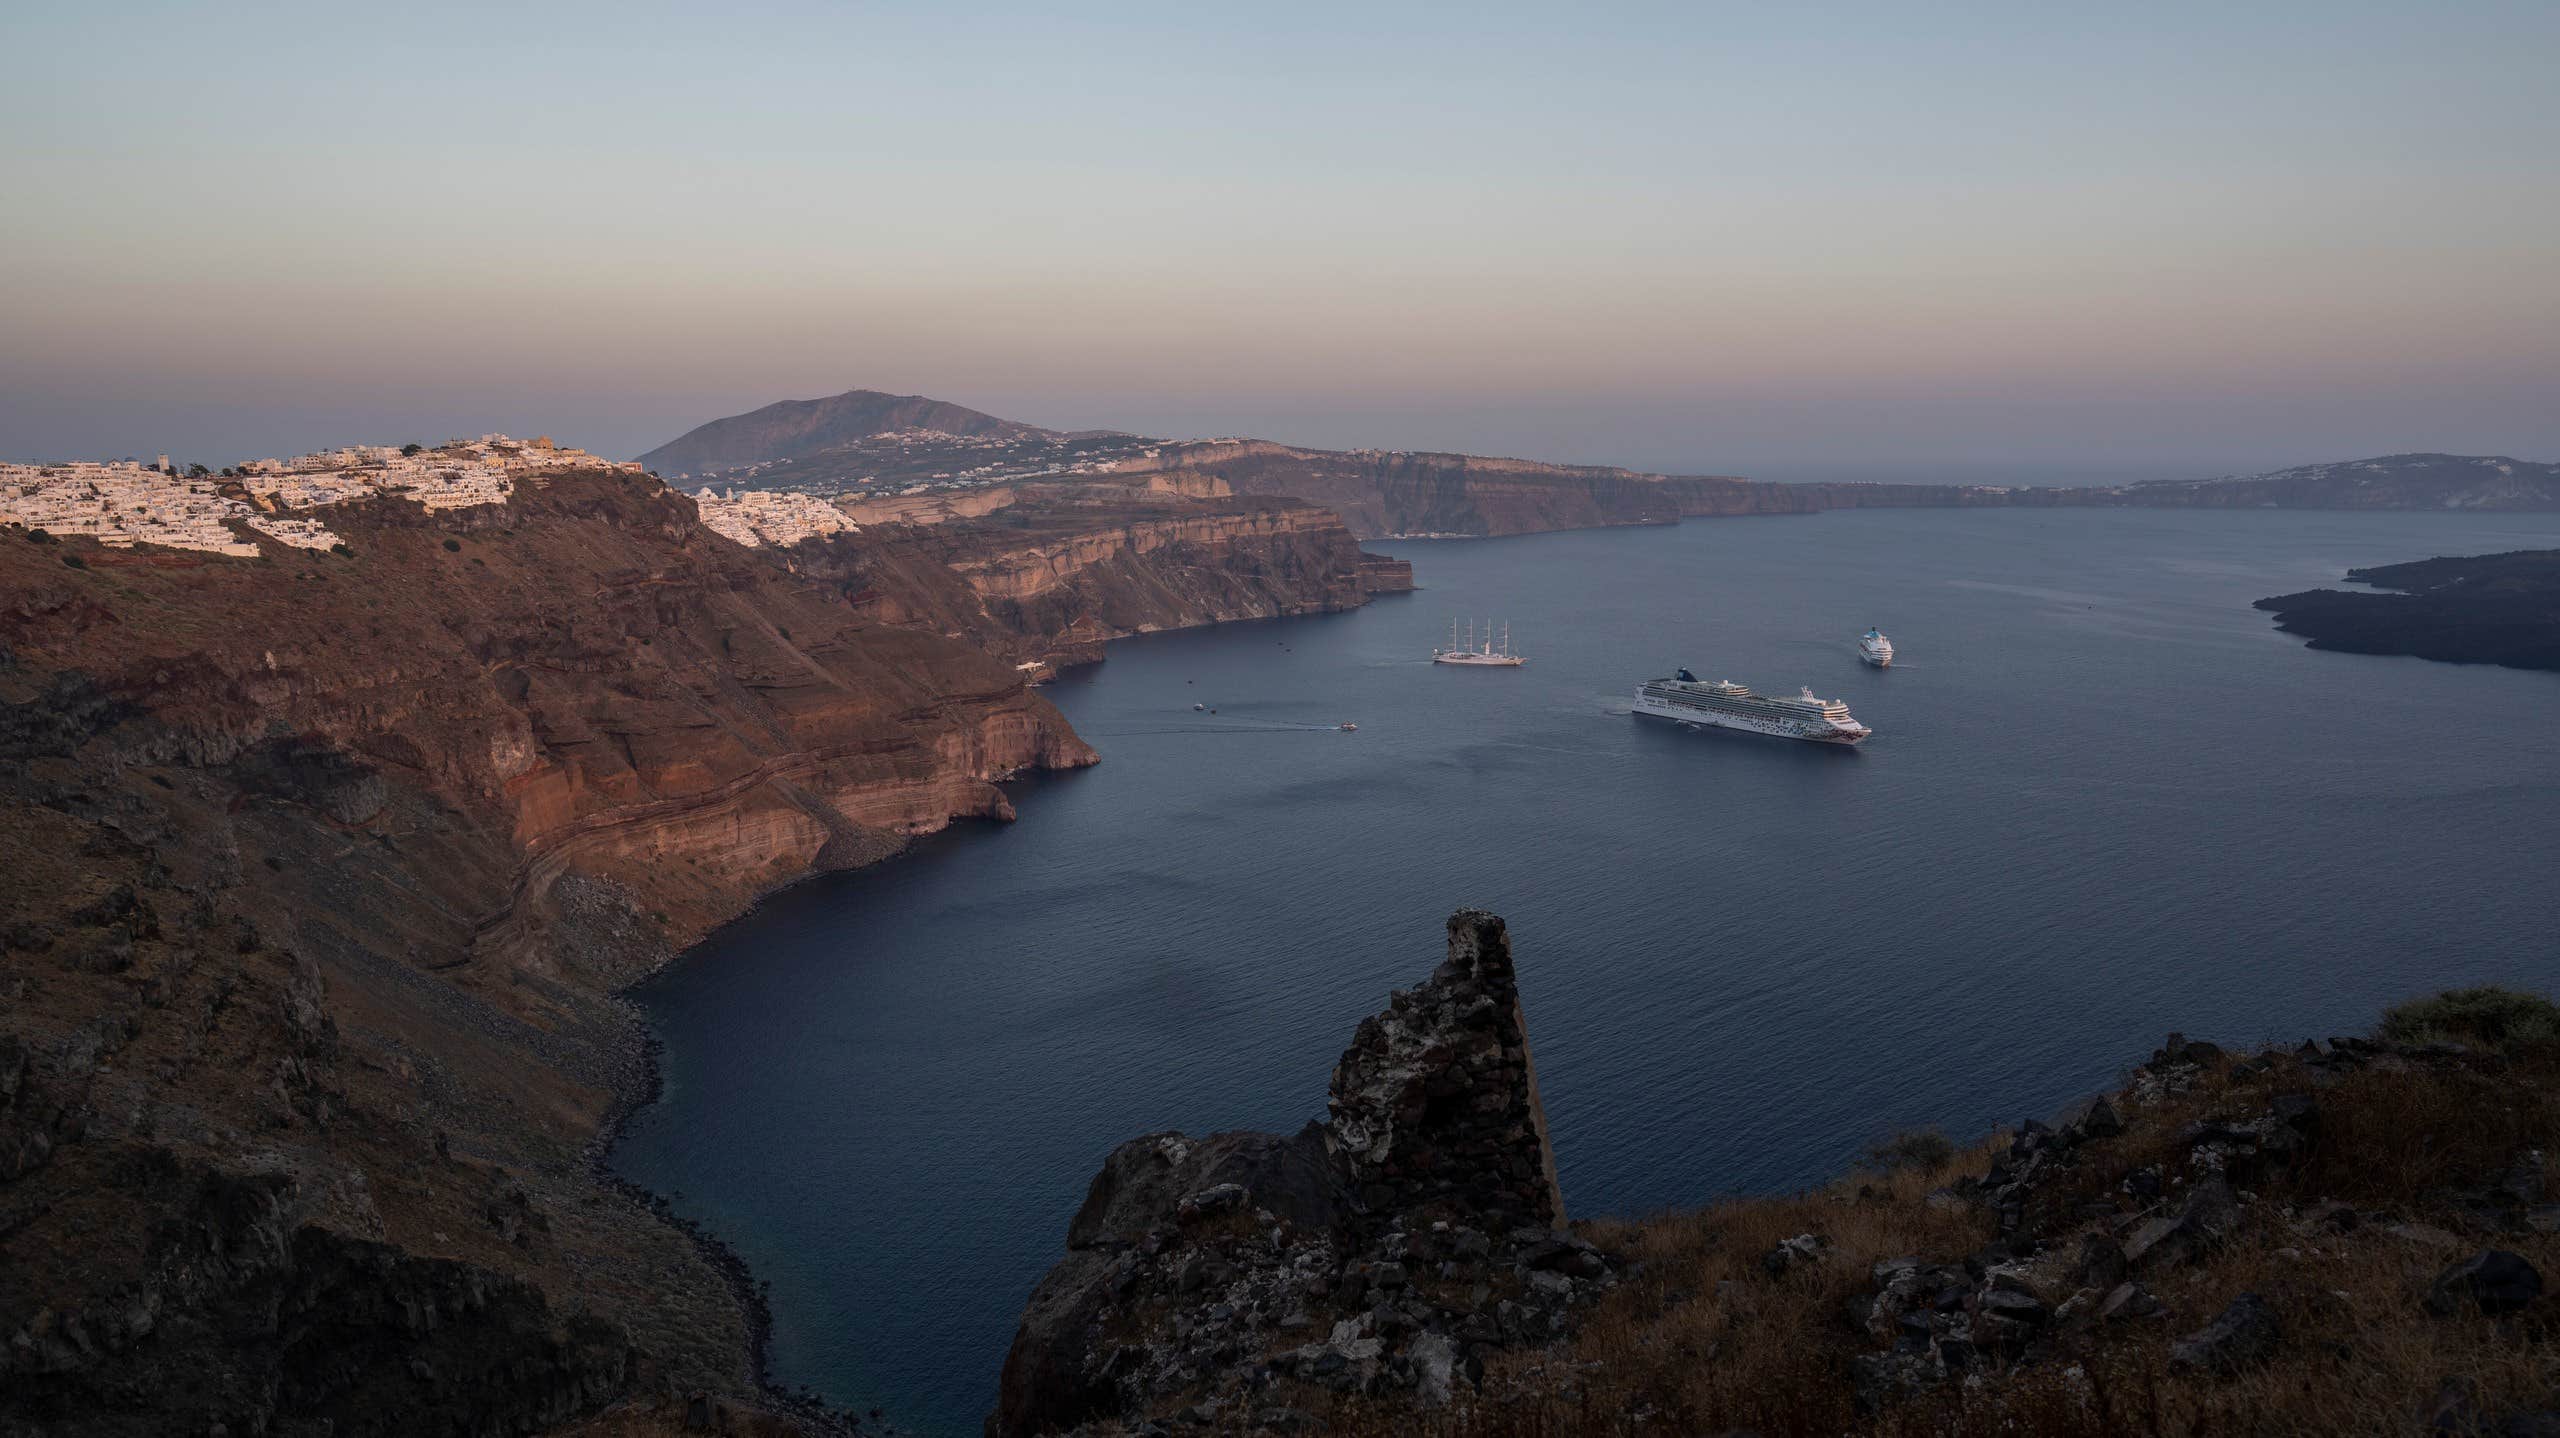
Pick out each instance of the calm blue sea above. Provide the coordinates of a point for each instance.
(2105, 799)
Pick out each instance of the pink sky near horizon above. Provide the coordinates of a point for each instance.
(2178, 243)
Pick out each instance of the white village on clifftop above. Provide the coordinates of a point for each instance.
(124, 502)
(776, 518)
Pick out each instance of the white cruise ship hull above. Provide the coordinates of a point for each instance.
(1809, 732)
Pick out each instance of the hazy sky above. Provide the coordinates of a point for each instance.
(1788, 240)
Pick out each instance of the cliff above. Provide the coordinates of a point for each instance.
(1383, 493)
(1046, 573)
(321, 869)
(2487, 609)
(1380, 493)
(2343, 1236)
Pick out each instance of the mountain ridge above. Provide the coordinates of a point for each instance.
(798, 428)
(1422, 493)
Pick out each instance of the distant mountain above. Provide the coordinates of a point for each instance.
(800, 428)
(2391, 481)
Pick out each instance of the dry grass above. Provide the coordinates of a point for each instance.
(1702, 1341)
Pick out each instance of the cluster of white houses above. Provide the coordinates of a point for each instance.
(780, 518)
(125, 503)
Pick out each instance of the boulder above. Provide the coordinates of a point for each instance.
(2101, 1264)
(2179, 1049)
(1145, 1183)
(2127, 1301)
(2491, 1281)
(1803, 1249)
(2243, 1336)
(2207, 1217)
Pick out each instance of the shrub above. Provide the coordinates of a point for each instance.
(75, 561)
(340, 549)
(453, 546)
(2489, 1017)
(1924, 1149)
(411, 449)
(38, 536)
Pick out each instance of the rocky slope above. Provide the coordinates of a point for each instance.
(1045, 573)
(2347, 1236)
(2486, 609)
(320, 871)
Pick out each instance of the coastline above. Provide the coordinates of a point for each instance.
(638, 1082)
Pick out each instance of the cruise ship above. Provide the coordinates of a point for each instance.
(1727, 705)
(1874, 648)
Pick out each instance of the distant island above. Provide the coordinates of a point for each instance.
(867, 444)
(2486, 609)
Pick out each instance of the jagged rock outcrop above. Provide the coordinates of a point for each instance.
(1386, 1250)
(1434, 1110)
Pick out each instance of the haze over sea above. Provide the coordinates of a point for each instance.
(2105, 799)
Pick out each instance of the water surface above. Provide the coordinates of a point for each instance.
(2105, 799)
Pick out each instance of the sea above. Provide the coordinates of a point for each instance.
(2105, 799)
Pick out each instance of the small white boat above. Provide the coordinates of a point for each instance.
(1487, 655)
(1874, 648)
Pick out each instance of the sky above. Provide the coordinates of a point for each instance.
(1851, 240)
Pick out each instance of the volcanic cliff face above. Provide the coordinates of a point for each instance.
(1387, 493)
(320, 868)
(1046, 573)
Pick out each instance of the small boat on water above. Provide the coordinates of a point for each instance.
(1874, 648)
(1347, 728)
(1487, 655)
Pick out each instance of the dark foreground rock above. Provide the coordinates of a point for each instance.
(273, 1324)
(2243, 1334)
(2494, 1281)
(1386, 1249)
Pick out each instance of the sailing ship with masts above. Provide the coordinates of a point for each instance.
(1490, 652)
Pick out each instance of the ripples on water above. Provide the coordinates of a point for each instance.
(2105, 799)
